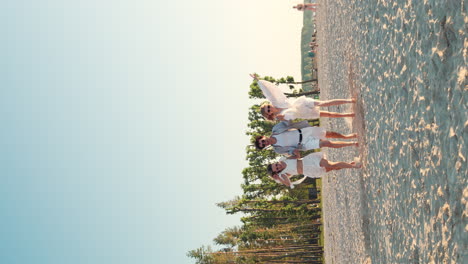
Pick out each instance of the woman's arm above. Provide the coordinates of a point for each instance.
(300, 166)
(295, 154)
(279, 179)
(276, 178)
(280, 117)
(284, 178)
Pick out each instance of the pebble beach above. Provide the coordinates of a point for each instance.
(406, 63)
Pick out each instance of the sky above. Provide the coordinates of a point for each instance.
(123, 122)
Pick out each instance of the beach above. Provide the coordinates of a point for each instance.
(406, 63)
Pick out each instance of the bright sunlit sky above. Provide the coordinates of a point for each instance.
(123, 122)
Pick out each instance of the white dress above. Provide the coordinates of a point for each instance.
(310, 166)
(301, 107)
(312, 136)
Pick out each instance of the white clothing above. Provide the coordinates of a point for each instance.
(311, 137)
(274, 94)
(291, 166)
(288, 138)
(302, 107)
(310, 165)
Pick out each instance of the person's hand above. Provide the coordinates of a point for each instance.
(254, 76)
(297, 153)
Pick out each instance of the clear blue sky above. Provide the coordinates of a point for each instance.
(123, 122)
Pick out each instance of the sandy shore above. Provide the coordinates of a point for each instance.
(406, 63)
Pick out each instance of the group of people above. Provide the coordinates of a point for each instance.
(288, 138)
(313, 46)
(313, 8)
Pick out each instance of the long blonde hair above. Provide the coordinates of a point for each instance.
(264, 113)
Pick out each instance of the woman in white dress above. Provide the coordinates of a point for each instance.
(313, 165)
(283, 108)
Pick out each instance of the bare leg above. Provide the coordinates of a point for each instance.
(312, 6)
(336, 144)
(330, 165)
(331, 134)
(334, 114)
(335, 102)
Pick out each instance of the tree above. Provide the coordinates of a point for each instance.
(229, 237)
(202, 255)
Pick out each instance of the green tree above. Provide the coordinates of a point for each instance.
(202, 255)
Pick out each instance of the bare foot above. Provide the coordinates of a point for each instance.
(356, 165)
